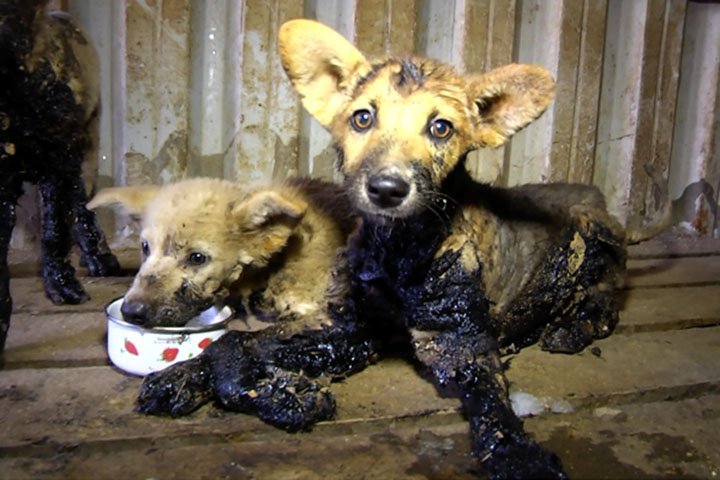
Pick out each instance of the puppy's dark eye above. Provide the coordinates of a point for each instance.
(196, 259)
(441, 129)
(361, 120)
(145, 248)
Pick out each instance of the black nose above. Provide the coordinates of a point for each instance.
(387, 191)
(135, 312)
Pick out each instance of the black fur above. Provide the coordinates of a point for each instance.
(445, 296)
(397, 283)
(395, 268)
(281, 373)
(44, 136)
(282, 378)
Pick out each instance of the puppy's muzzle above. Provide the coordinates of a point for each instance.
(386, 190)
(135, 312)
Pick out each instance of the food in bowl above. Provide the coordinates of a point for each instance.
(140, 351)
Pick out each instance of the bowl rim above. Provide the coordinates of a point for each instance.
(230, 313)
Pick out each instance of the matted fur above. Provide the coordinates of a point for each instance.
(49, 104)
(205, 240)
(274, 253)
(465, 268)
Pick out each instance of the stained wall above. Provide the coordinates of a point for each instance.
(195, 87)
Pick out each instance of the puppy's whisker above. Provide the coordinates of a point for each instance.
(444, 219)
(443, 196)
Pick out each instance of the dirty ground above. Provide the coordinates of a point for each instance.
(644, 403)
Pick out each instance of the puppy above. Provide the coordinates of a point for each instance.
(48, 123)
(273, 252)
(466, 268)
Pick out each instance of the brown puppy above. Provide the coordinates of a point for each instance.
(272, 251)
(204, 240)
(467, 268)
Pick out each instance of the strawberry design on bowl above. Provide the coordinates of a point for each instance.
(139, 351)
(131, 348)
(170, 354)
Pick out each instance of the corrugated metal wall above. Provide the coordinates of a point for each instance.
(194, 87)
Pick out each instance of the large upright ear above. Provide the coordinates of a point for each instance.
(508, 98)
(268, 208)
(321, 65)
(133, 200)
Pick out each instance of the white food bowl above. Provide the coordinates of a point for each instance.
(140, 351)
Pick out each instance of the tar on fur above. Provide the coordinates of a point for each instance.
(467, 270)
(48, 123)
(462, 271)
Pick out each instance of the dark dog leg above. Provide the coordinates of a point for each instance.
(282, 398)
(58, 275)
(9, 193)
(295, 401)
(451, 336)
(593, 318)
(591, 313)
(258, 373)
(179, 389)
(97, 256)
(466, 362)
(231, 371)
(288, 400)
(563, 305)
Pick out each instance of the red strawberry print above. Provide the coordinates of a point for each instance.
(204, 343)
(132, 349)
(169, 354)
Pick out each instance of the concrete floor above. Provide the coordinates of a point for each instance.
(644, 404)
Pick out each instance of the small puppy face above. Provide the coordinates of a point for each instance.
(402, 125)
(401, 135)
(198, 237)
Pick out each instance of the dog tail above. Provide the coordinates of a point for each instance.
(637, 234)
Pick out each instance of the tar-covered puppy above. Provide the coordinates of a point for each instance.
(467, 267)
(48, 123)
(274, 251)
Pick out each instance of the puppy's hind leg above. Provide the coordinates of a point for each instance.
(96, 256)
(597, 258)
(58, 275)
(9, 193)
(592, 319)
(569, 301)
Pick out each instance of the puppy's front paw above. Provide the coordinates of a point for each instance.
(178, 390)
(527, 460)
(293, 402)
